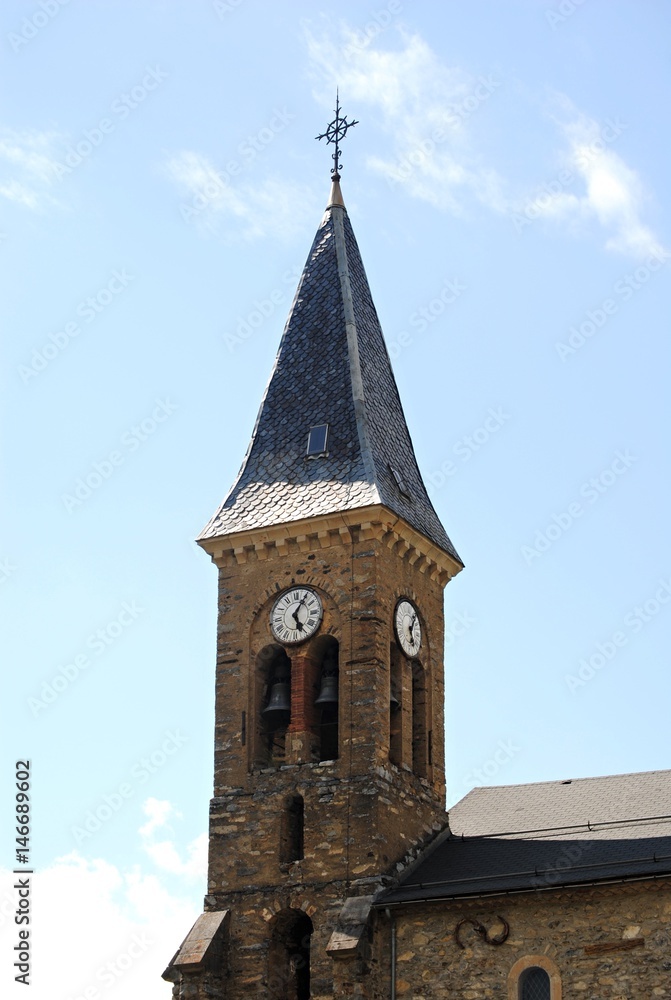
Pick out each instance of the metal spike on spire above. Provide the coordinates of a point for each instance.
(335, 132)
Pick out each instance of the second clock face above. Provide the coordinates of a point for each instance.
(296, 615)
(408, 628)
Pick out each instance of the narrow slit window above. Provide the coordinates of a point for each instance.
(291, 829)
(317, 440)
(400, 482)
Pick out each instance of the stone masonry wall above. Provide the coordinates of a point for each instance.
(609, 943)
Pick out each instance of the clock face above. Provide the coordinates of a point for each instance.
(296, 615)
(408, 628)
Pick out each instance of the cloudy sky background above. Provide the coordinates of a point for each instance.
(159, 190)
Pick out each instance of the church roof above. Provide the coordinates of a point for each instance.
(545, 835)
(332, 368)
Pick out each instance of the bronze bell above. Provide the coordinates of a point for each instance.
(280, 698)
(328, 694)
(394, 703)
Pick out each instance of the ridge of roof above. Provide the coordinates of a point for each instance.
(569, 781)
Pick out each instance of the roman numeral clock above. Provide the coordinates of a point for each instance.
(296, 615)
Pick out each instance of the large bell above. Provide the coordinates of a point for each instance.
(280, 698)
(328, 694)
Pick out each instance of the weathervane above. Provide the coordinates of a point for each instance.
(336, 131)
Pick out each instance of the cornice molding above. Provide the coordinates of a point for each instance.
(323, 532)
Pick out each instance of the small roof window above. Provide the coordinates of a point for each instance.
(317, 440)
(400, 482)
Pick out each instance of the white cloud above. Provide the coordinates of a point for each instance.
(159, 812)
(165, 853)
(431, 115)
(614, 194)
(27, 163)
(425, 107)
(98, 927)
(243, 211)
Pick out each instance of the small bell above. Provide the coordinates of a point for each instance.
(328, 694)
(394, 703)
(280, 698)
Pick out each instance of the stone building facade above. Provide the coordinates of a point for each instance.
(333, 870)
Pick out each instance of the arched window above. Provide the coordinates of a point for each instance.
(535, 984)
(289, 956)
(291, 829)
(534, 977)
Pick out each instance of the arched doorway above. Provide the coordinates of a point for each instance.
(289, 956)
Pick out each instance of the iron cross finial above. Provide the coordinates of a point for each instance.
(335, 132)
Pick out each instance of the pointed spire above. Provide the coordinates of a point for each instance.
(331, 435)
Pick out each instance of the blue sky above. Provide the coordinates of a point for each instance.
(159, 190)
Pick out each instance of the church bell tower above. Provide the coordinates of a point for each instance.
(329, 741)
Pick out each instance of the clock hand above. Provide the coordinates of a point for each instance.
(294, 615)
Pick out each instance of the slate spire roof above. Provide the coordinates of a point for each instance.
(332, 367)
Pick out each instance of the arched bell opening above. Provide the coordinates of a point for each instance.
(274, 704)
(325, 653)
(420, 738)
(395, 705)
(289, 956)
